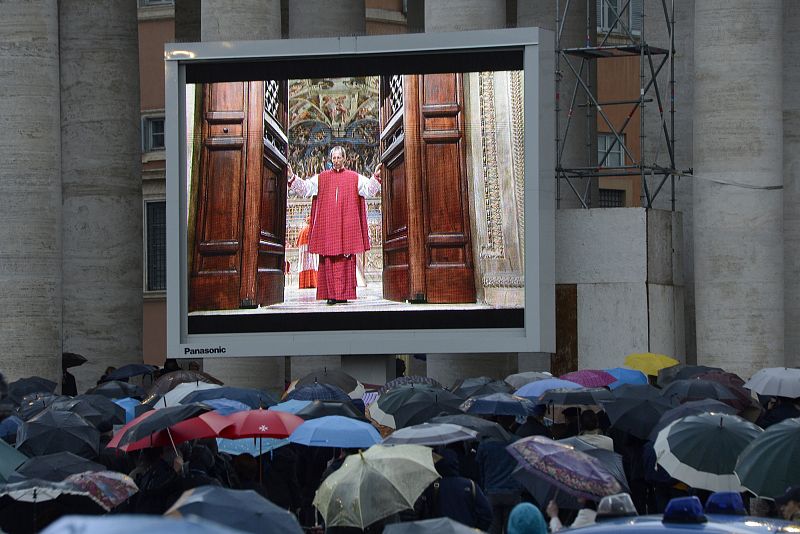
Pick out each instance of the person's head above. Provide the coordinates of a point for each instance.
(194, 366)
(110, 369)
(525, 518)
(589, 421)
(171, 365)
(338, 157)
(789, 502)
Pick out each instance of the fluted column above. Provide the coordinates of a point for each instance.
(30, 191)
(738, 165)
(102, 187)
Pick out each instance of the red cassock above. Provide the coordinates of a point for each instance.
(338, 232)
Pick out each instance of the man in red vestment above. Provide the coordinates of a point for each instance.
(338, 223)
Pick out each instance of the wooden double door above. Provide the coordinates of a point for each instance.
(238, 221)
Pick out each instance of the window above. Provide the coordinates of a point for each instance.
(156, 246)
(616, 157)
(611, 198)
(153, 132)
(607, 11)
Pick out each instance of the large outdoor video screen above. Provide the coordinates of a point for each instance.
(355, 194)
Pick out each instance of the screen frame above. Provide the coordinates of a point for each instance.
(538, 332)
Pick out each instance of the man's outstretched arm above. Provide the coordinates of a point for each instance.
(303, 187)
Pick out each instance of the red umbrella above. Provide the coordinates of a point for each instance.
(203, 426)
(256, 424)
(590, 378)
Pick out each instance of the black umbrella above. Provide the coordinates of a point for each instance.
(408, 380)
(410, 405)
(438, 525)
(33, 404)
(111, 413)
(255, 398)
(72, 359)
(483, 385)
(335, 377)
(681, 372)
(243, 510)
(129, 370)
(169, 381)
(568, 397)
(320, 408)
(484, 427)
(56, 431)
(636, 391)
(694, 389)
(636, 416)
(318, 391)
(161, 419)
(116, 389)
(56, 467)
(498, 404)
(690, 408)
(34, 384)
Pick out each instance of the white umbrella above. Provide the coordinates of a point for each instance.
(520, 379)
(431, 434)
(375, 484)
(174, 396)
(776, 381)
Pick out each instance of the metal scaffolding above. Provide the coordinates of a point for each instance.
(618, 41)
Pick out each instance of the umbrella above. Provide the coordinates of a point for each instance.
(56, 431)
(582, 396)
(8, 428)
(430, 434)
(72, 359)
(375, 484)
(33, 404)
(564, 466)
(258, 424)
(111, 413)
(411, 405)
(636, 391)
(167, 382)
(30, 504)
(682, 372)
(543, 492)
(57, 466)
(84, 409)
(636, 416)
(109, 489)
(125, 524)
(318, 391)
(252, 446)
(116, 389)
(590, 378)
(649, 363)
(149, 423)
(437, 525)
(498, 404)
(734, 383)
(774, 381)
(226, 406)
(701, 450)
(254, 398)
(690, 408)
(128, 404)
(534, 390)
(290, 406)
(336, 431)
(10, 460)
(174, 396)
(243, 510)
(132, 369)
(334, 377)
(34, 384)
(320, 408)
(771, 462)
(483, 385)
(694, 389)
(485, 429)
(518, 380)
(401, 381)
(626, 376)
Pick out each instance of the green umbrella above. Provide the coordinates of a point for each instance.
(10, 459)
(771, 463)
(701, 450)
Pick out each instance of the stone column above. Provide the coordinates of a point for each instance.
(791, 179)
(101, 185)
(30, 191)
(738, 203)
(327, 18)
(579, 150)
(222, 20)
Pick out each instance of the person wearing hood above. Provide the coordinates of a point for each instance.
(525, 518)
(457, 497)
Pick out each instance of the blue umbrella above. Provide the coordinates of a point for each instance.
(290, 406)
(498, 404)
(129, 404)
(318, 391)
(226, 406)
(336, 431)
(125, 524)
(534, 390)
(132, 369)
(254, 398)
(8, 427)
(250, 446)
(626, 376)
